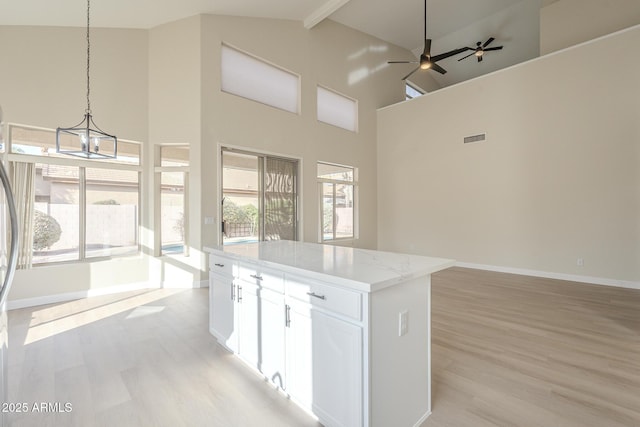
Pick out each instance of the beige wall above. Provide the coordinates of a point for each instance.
(557, 179)
(566, 23)
(162, 86)
(175, 93)
(330, 54)
(43, 78)
(43, 83)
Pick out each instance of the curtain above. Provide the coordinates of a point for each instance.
(280, 199)
(23, 182)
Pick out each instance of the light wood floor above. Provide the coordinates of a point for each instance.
(507, 351)
(519, 351)
(143, 359)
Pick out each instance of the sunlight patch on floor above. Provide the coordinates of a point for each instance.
(49, 322)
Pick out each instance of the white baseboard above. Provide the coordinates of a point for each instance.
(70, 296)
(194, 285)
(422, 420)
(549, 275)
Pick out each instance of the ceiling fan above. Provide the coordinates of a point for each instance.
(481, 49)
(426, 60)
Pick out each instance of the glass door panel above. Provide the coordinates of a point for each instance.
(241, 198)
(259, 197)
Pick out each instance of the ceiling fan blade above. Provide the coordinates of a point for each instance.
(480, 58)
(407, 76)
(491, 39)
(436, 67)
(465, 57)
(494, 48)
(403, 62)
(448, 54)
(427, 47)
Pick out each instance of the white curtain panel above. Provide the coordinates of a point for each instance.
(22, 180)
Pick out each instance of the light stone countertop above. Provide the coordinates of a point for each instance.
(359, 269)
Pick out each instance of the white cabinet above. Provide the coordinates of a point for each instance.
(299, 357)
(222, 295)
(321, 323)
(337, 370)
(247, 315)
(324, 350)
(247, 306)
(272, 321)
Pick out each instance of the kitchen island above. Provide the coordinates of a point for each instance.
(344, 332)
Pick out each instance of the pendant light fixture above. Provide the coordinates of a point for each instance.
(86, 139)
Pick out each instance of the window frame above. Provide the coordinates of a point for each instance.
(82, 164)
(408, 85)
(157, 217)
(335, 182)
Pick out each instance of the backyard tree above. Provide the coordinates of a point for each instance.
(46, 231)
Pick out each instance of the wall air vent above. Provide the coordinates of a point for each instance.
(475, 138)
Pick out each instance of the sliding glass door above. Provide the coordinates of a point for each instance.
(259, 197)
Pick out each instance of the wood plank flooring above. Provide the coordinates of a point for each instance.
(513, 350)
(136, 359)
(507, 351)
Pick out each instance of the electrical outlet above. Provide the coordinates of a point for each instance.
(403, 320)
(580, 262)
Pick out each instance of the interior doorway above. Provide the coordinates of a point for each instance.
(259, 197)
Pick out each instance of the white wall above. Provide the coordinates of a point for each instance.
(162, 86)
(43, 83)
(175, 92)
(566, 23)
(331, 55)
(557, 179)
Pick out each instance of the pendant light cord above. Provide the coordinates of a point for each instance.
(88, 62)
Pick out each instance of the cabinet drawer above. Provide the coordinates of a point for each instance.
(261, 276)
(339, 300)
(221, 265)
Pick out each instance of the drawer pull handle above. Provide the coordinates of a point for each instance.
(219, 265)
(255, 276)
(313, 294)
(287, 316)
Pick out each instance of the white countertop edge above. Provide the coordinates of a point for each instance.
(338, 280)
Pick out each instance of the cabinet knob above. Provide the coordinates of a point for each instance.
(313, 294)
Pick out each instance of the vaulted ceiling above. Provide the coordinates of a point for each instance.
(450, 23)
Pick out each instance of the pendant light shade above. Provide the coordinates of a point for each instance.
(86, 139)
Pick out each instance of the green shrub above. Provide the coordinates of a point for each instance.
(46, 231)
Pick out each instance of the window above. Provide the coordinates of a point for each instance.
(252, 78)
(111, 212)
(172, 177)
(338, 192)
(337, 110)
(412, 91)
(260, 197)
(73, 209)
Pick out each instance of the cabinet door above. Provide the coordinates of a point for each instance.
(298, 356)
(222, 311)
(337, 370)
(248, 323)
(272, 337)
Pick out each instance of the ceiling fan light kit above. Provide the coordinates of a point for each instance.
(481, 48)
(429, 62)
